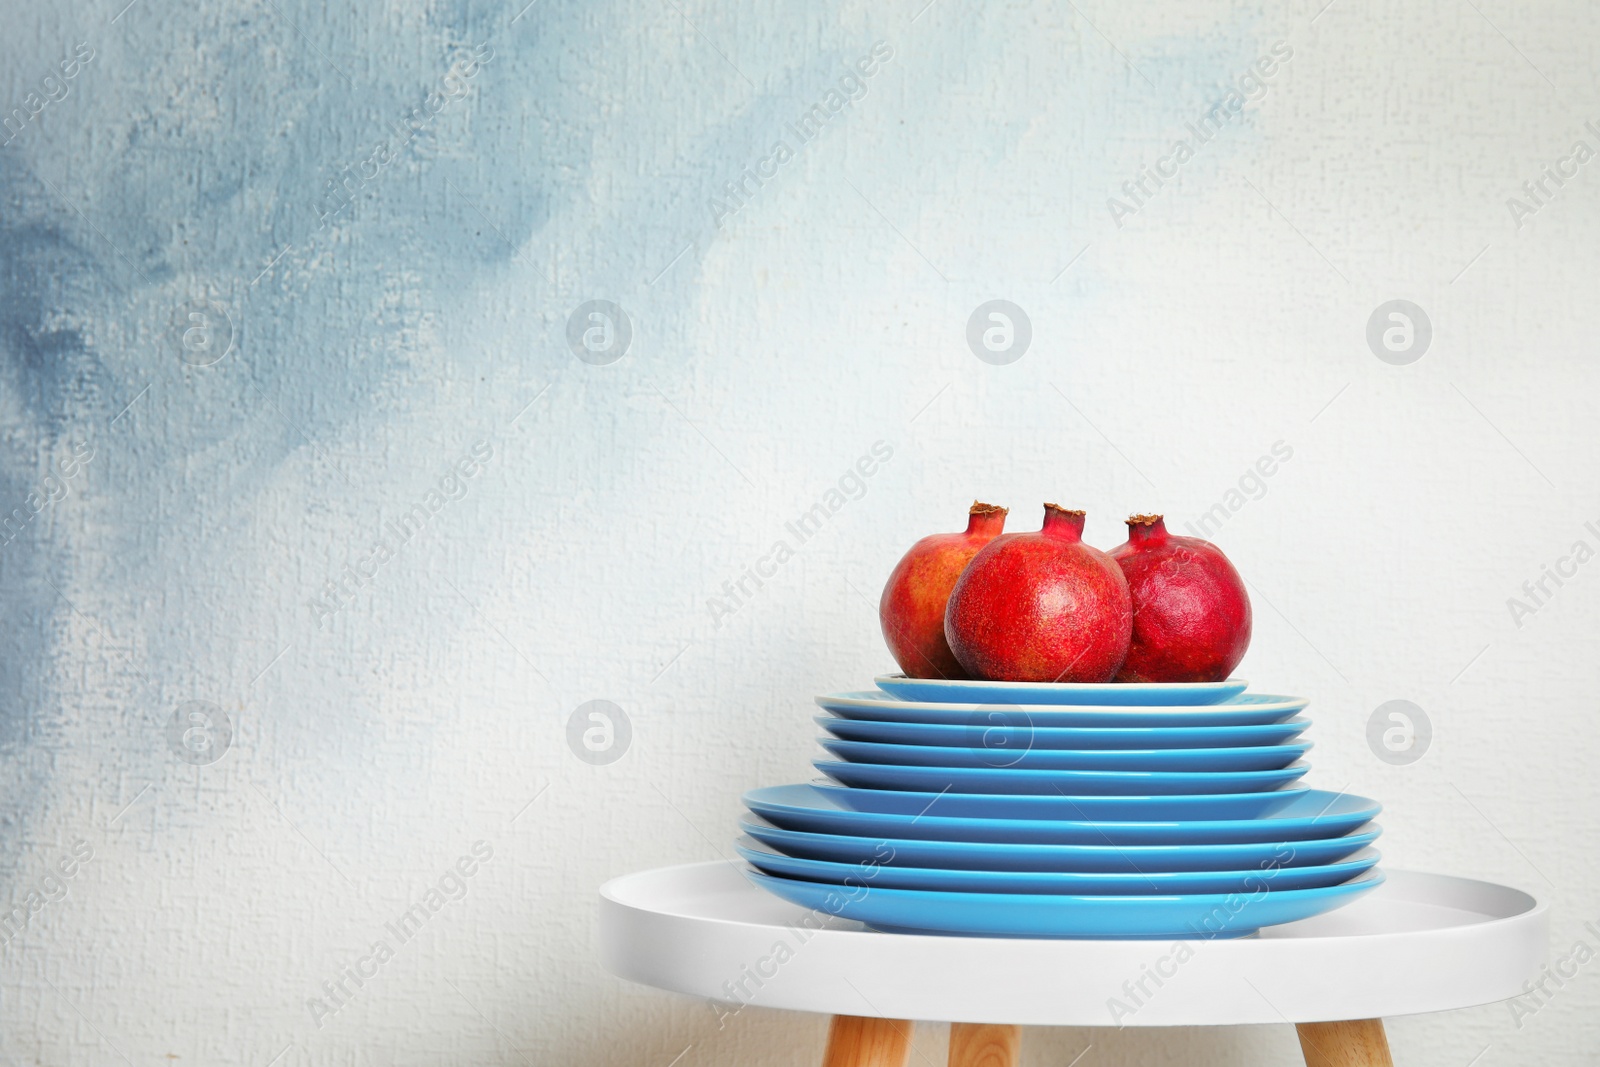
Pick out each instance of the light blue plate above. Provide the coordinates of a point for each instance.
(1316, 814)
(1200, 916)
(1066, 783)
(990, 751)
(991, 856)
(1157, 694)
(1014, 729)
(1247, 709)
(1254, 880)
(1053, 805)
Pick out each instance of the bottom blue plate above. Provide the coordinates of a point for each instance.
(1200, 916)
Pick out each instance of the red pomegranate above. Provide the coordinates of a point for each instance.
(912, 608)
(1041, 607)
(1191, 615)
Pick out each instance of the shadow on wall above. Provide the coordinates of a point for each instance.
(50, 382)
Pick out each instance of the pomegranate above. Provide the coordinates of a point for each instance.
(1041, 607)
(1191, 615)
(912, 608)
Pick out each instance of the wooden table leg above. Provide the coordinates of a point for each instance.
(854, 1041)
(984, 1045)
(1360, 1043)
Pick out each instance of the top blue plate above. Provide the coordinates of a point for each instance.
(1246, 709)
(1164, 694)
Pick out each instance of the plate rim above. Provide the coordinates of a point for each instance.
(1376, 805)
(1299, 765)
(828, 783)
(1303, 721)
(1303, 746)
(1373, 828)
(1368, 879)
(880, 696)
(1360, 856)
(897, 676)
(980, 684)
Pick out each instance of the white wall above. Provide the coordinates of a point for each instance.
(372, 748)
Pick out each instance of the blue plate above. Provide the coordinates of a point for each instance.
(994, 728)
(1248, 709)
(1316, 814)
(1158, 694)
(1199, 916)
(851, 875)
(992, 856)
(1066, 783)
(1056, 806)
(990, 750)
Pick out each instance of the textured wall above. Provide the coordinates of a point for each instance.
(292, 428)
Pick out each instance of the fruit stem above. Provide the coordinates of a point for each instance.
(1146, 529)
(985, 518)
(1063, 522)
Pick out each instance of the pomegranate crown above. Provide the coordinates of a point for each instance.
(980, 508)
(1063, 522)
(1147, 530)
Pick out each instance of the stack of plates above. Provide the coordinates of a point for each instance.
(1062, 810)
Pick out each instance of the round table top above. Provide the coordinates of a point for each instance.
(1418, 943)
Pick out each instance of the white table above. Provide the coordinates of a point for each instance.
(1419, 943)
